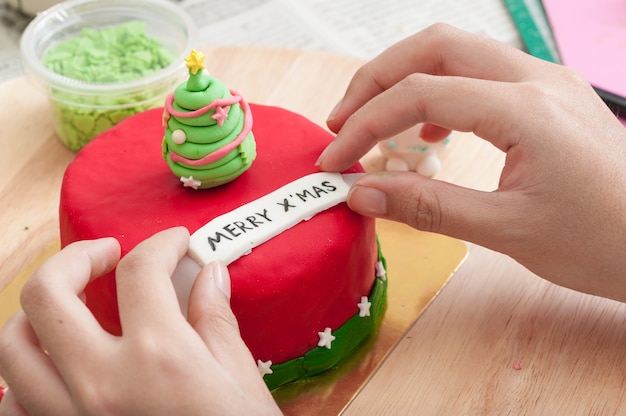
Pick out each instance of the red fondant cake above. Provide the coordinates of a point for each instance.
(289, 289)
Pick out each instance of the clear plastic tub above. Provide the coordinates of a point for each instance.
(84, 109)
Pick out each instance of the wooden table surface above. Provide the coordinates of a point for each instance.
(497, 340)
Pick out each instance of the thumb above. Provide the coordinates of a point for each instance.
(434, 206)
(9, 404)
(210, 315)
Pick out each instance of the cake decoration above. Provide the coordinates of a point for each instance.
(179, 136)
(208, 129)
(349, 335)
(409, 152)
(233, 234)
(381, 272)
(364, 307)
(264, 367)
(190, 182)
(326, 338)
(314, 271)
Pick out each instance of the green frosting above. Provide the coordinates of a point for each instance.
(76, 125)
(111, 55)
(191, 139)
(220, 172)
(203, 140)
(192, 95)
(200, 134)
(347, 339)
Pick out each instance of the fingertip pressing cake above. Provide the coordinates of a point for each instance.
(308, 279)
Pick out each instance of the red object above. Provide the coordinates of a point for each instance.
(2, 391)
(310, 277)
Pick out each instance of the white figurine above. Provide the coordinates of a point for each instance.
(408, 152)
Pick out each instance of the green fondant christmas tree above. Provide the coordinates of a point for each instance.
(208, 130)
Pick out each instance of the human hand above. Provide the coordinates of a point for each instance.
(58, 360)
(560, 207)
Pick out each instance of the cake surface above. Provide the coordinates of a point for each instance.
(303, 283)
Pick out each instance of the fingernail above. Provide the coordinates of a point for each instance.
(220, 276)
(320, 159)
(423, 130)
(334, 111)
(368, 201)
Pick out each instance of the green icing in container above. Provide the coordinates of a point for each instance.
(111, 56)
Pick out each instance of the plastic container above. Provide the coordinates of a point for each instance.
(84, 109)
(31, 7)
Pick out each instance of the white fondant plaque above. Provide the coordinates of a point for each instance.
(237, 232)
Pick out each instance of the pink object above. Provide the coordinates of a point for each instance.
(222, 102)
(221, 113)
(517, 366)
(590, 36)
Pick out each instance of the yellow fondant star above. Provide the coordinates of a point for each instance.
(195, 61)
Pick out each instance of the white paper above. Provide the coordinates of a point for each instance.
(359, 28)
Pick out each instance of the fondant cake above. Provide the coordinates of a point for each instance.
(305, 296)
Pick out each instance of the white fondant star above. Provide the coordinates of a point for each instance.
(221, 113)
(190, 182)
(326, 338)
(364, 307)
(380, 271)
(264, 367)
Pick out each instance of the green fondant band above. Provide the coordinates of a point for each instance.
(244, 151)
(205, 119)
(193, 100)
(347, 339)
(224, 164)
(194, 150)
(223, 171)
(211, 132)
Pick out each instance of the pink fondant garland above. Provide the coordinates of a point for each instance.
(220, 153)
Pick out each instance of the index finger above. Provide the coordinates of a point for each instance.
(145, 291)
(50, 298)
(487, 108)
(438, 50)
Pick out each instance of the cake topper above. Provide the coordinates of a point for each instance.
(409, 152)
(208, 137)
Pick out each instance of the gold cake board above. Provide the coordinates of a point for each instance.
(418, 266)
